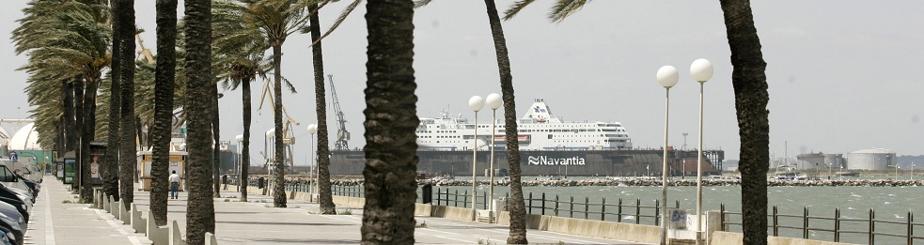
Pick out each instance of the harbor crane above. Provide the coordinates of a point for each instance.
(343, 136)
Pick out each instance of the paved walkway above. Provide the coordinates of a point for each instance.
(256, 223)
(57, 220)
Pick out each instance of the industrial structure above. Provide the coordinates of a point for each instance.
(871, 159)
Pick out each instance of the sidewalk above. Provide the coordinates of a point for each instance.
(54, 222)
(256, 222)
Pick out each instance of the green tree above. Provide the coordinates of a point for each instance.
(391, 121)
(200, 217)
(163, 107)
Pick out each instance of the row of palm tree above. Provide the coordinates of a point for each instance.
(225, 42)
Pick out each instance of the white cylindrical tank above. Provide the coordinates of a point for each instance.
(871, 159)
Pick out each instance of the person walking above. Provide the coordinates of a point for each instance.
(174, 185)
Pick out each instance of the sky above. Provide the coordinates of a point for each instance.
(843, 75)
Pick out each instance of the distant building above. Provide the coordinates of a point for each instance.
(871, 159)
(811, 161)
(820, 161)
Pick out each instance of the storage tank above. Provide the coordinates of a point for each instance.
(871, 159)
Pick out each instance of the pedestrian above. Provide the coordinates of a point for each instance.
(224, 181)
(174, 185)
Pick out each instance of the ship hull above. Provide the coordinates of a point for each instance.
(544, 163)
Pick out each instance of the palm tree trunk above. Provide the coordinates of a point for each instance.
(111, 164)
(245, 143)
(86, 136)
(127, 111)
(326, 200)
(391, 121)
(163, 108)
(750, 84)
(200, 217)
(216, 141)
(517, 207)
(70, 124)
(279, 192)
(78, 117)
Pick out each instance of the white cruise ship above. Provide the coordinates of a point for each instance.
(539, 130)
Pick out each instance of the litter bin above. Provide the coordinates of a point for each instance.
(427, 193)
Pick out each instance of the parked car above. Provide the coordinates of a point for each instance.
(12, 180)
(13, 221)
(7, 237)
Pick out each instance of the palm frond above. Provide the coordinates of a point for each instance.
(516, 8)
(565, 8)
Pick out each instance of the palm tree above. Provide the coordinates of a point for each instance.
(750, 84)
(517, 206)
(67, 44)
(163, 107)
(323, 152)
(239, 60)
(111, 161)
(216, 140)
(391, 121)
(276, 20)
(127, 107)
(201, 215)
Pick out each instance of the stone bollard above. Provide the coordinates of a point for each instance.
(114, 209)
(174, 234)
(106, 205)
(210, 239)
(157, 234)
(138, 223)
(713, 224)
(123, 214)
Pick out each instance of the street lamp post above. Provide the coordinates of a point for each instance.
(475, 103)
(494, 101)
(667, 77)
(240, 160)
(312, 129)
(701, 71)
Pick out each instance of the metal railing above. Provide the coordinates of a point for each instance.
(629, 211)
(804, 226)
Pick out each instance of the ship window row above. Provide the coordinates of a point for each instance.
(439, 137)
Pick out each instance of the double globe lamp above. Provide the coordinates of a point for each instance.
(701, 70)
(476, 103)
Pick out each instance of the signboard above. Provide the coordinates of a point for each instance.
(70, 170)
(678, 219)
(543, 160)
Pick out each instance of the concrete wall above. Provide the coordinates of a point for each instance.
(726, 238)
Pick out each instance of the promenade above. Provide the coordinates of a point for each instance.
(57, 219)
(255, 222)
